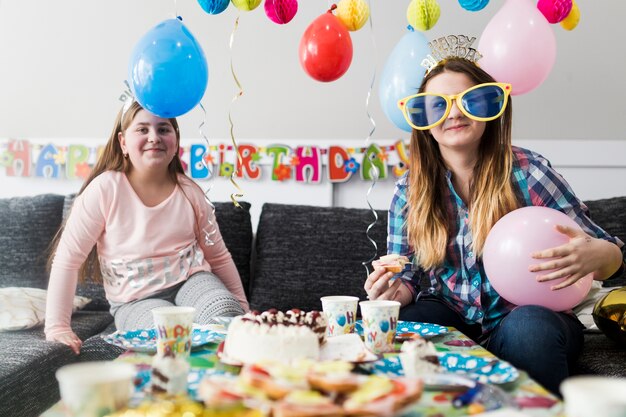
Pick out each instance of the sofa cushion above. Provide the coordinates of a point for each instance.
(293, 240)
(27, 226)
(28, 364)
(610, 214)
(235, 226)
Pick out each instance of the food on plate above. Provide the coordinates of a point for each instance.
(333, 377)
(277, 379)
(275, 336)
(418, 357)
(381, 396)
(392, 262)
(309, 388)
(306, 404)
(182, 405)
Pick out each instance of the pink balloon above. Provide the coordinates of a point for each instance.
(281, 11)
(518, 46)
(506, 258)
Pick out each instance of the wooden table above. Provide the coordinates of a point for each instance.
(533, 398)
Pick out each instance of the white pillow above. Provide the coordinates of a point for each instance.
(23, 308)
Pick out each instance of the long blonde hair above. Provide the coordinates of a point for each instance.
(429, 225)
(112, 159)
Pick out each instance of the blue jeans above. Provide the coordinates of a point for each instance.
(540, 341)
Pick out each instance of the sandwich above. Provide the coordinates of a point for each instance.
(392, 262)
(383, 397)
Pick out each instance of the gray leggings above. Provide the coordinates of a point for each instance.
(203, 290)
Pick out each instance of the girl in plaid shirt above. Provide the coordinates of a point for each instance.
(464, 176)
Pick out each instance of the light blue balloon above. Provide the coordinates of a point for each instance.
(402, 75)
(214, 6)
(168, 72)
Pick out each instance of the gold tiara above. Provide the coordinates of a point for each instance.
(451, 46)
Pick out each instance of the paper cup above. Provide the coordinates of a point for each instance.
(380, 319)
(173, 327)
(594, 396)
(95, 389)
(340, 311)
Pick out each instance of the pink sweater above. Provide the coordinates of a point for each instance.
(142, 250)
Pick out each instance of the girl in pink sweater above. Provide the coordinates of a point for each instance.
(145, 229)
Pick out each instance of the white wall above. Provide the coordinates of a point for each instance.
(62, 64)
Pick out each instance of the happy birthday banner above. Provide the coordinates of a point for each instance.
(303, 164)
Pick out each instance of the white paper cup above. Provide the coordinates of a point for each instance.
(340, 311)
(95, 389)
(594, 396)
(173, 327)
(380, 319)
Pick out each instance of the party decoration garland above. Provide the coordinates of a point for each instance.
(302, 164)
(371, 168)
(238, 194)
(281, 11)
(554, 10)
(572, 19)
(423, 14)
(353, 13)
(246, 5)
(473, 5)
(214, 6)
(211, 227)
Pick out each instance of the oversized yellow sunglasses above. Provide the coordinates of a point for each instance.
(482, 102)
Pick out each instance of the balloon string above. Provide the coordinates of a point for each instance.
(239, 162)
(175, 9)
(374, 168)
(211, 229)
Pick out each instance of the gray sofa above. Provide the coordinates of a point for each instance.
(299, 254)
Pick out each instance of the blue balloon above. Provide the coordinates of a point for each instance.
(214, 6)
(168, 71)
(402, 75)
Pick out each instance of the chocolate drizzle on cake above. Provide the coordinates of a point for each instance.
(314, 320)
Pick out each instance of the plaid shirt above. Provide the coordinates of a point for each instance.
(461, 281)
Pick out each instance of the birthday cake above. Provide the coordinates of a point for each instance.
(275, 336)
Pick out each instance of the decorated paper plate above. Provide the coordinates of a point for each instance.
(485, 370)
(145, 340)
(407, 329)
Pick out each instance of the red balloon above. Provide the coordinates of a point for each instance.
(326, 48)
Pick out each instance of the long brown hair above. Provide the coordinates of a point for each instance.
(491, 190)
(112, 159)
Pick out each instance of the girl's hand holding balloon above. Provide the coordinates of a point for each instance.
(581, 256)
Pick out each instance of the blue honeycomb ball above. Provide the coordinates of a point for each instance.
(473, 5)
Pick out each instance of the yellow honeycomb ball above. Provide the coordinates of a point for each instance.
(353, 13)
(572, 19)
(246, 5)
(423, 14)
